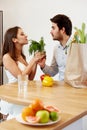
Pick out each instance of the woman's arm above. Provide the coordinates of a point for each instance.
(33, 72)
(13, 68)
(11, 65)
(31, 67)
(33, 64)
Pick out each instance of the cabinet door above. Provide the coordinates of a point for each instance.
(1, 40)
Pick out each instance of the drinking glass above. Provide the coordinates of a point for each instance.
(22, 84)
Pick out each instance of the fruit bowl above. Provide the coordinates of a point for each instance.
(39, 114)
(20, 120)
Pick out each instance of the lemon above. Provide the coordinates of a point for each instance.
(54, 116)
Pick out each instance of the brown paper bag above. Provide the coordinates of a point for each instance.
(76, 66)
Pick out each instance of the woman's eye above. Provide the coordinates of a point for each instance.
(22, 34)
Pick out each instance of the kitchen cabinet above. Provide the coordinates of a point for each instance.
(1, 40)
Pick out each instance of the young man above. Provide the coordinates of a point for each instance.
(61, 31)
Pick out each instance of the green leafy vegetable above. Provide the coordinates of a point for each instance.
(80, 36)
(36, 46)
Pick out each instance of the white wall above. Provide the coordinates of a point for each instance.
(34, 17)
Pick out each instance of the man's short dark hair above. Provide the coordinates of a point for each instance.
(63, 21)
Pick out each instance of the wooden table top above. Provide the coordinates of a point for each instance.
(71, 101)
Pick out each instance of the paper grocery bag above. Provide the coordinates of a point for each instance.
(76, 66)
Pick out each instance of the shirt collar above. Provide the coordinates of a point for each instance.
(67, 44)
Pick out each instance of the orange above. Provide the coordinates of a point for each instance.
(27, 111)
(37, 104)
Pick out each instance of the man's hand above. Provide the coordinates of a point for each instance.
(39, 56)
(42, 62)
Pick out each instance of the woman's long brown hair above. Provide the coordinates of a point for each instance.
(9, 46)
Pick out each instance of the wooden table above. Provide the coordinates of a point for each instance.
(71, 101)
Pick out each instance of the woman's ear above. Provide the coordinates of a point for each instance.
(14, 40)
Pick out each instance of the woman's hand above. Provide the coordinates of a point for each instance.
(39, 56)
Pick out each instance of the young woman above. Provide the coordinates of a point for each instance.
(15, 63)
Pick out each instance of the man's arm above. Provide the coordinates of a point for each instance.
(52, 69)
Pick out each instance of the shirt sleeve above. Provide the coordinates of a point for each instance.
(52, 70)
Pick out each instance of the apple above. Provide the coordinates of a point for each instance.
(44, 116)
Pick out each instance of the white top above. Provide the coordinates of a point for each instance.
(10, 108)
(10, 77)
